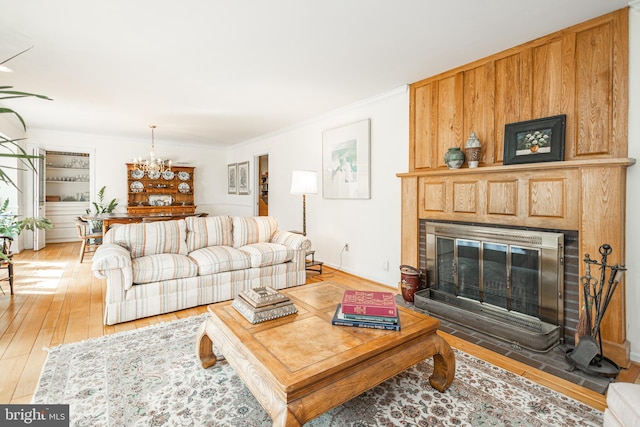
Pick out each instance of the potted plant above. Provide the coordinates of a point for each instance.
(100, 208)
(11, 226)
(9, 144)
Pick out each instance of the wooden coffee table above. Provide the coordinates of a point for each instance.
(300, 366)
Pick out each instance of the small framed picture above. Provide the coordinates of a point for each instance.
(243, 178)
(232, 178)
(539, 140)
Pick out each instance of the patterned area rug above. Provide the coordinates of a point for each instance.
(152, 377)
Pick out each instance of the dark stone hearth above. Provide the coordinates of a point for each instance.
(552, 362)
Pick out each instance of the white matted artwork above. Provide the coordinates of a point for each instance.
(232, 171)
(346, 161)
(243, 178)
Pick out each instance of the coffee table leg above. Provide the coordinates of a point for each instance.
(444, 364)
(284, 418)
(204, 346)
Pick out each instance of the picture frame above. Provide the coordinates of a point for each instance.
(532, 141)
(232, 178)
(346, 161)
(243, 178)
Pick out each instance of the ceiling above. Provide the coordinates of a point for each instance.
(221, 72)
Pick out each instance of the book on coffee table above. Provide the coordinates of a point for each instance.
(369, 303)
(262, 314)
(339, 319)
(262, 304)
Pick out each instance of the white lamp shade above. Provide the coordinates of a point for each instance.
(304, 182)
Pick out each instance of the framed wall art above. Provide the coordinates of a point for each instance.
(539, 140)
(243, 178)
(232, 175)
(346, 161)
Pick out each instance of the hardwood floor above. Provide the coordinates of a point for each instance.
(58, 300)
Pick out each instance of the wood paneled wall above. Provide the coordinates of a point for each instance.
(581, 71)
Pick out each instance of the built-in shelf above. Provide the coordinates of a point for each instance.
(68, 191)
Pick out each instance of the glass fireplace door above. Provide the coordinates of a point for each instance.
(494, 274)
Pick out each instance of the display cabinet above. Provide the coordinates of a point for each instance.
(67, 176)
(171, 192)
(67, 192)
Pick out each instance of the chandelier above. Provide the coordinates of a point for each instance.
(153, 165)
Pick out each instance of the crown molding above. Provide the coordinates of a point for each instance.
(635, 4)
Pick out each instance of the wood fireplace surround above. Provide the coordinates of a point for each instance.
(581, 71)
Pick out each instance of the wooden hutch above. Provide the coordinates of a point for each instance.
(169, 193)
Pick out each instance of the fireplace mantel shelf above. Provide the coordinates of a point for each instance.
(546, 166)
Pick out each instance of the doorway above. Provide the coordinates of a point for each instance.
(263, 185)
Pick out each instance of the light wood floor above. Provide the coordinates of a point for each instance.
(58, 300)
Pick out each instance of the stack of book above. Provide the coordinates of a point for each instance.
(261, 304)
(367, 309)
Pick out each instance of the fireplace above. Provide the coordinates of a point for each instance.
(506, 282)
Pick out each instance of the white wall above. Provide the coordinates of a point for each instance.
(371, 227)
(111, 156)
(633, 183)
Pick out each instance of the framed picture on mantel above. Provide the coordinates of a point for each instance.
(539, 140)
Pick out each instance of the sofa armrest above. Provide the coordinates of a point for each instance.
(110, 256)
(113, 262)
(294, 241)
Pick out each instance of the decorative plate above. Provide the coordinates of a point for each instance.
(153, 174)
(168, 175)
(137, 174)
(184, 187)
(183, 176)
(136, 187)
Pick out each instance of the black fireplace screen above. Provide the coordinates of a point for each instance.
(512, 269)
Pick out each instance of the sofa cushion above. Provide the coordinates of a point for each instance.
(151, 238)
(208, 231)
(262, 254)
(154, 268)
(217, 259)
(248, 230)
(622, 405)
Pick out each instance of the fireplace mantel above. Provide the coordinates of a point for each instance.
(582, 72)
(568, 164)
(583, 195)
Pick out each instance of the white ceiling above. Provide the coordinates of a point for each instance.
(220, 72)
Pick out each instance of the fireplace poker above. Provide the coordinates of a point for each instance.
(616, 275)
(605, 250)
(588, 282)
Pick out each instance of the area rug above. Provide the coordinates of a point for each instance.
(152, 377)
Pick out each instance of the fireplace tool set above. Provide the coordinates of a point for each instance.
(597, 293)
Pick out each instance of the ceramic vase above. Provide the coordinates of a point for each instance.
(473, 150)
(454, 158)
(410, 282)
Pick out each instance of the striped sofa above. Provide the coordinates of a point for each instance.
(159, 267)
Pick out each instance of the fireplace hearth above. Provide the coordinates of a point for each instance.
(505, 282)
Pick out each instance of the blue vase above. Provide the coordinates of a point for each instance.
(454, 158)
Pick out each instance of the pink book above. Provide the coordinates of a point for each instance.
(369, 303)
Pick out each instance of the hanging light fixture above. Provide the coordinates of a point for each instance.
(153, 165)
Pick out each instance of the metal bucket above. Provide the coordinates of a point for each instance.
(409, 281)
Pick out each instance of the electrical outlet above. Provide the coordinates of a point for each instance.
(346, 247)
